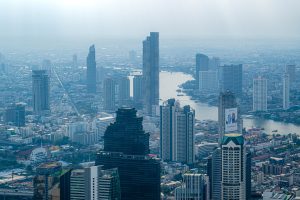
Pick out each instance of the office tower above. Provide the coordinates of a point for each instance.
(74, 61)
(40, 91)
(286, 91)
(233, 167)
(47, 65)
(231, 78)
(151, 71)
(138, 92)
(177, 132)
(15, 114)
(248, 176)
(126, 147)
(214, 171)
(194, 187)
(91, 70)
(208, 82)
(123, 91)
(214, 63)
(228, 114)
(291, 71)
(202, 64)
(109, 87)
(260, 94)
(94, 183)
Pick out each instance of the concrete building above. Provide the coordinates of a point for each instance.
(138, 90)
(40, 91)
(151, 71)
(286, 91)
(260, 94)
(123, 91)
(202, 64)
(91, 70)
(208, 82)
(233, 167)
(177, 132)
(109, 93)
(15, 114)
(231, 78)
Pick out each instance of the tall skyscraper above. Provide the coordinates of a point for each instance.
(151, 71)
(126, 147)
(177, 132)
(123, 91)
(95, 183)
(215, 174)
(138, 90)
(91, 70)
(231, 78)
(286, 91)
(208, 82)
(260, 94)
(214, 63)
(228, 114)
(233, 167)
(109, 93)
(40, 91)
(194, 187)
(202, 64)
(15, 114)
(291, 71)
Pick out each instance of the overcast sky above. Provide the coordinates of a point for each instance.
(279, 19)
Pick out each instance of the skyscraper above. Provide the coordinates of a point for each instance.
(123, 91)
(138, 91)
(214, 63)
(109, 87)
(208, 82)
(40, 91)
(126, 146)
(231, 78)
(95, 183)
(228, 114)
(194, 187)
(286, 91)
(15, 114)
(177, 132)
(202, 64)
(259, 94)
(233, 167)
(291, 71)
(151, 71)
(216, 174)
(91, 70)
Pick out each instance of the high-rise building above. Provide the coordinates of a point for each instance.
(214, 63)
(194, 187)
(259, 94)
(95, 183)
(231, 78)
(202, 64)
(138, 90)
(177, 132)
(123, 91)
(233, 167)
(248, 176)
(151, 71)
(286, 91)
(15, 114)
(228, 114)
(109, 93)
(126, 147)
(91, 70)
(208, 82)
(215, 174)
(40, 91)
(291, 71)
(47, 65)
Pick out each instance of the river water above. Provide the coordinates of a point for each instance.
(169, 82)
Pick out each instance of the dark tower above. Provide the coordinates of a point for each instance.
(126, 147)
(91, 70)
(202, 64)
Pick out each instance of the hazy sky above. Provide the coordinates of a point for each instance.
(89, 19)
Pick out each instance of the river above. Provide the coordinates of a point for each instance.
(169, 82)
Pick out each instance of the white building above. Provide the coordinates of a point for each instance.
(233, 167)
(260, 94)
(286, 91)
(193, 187)
(177, 132)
